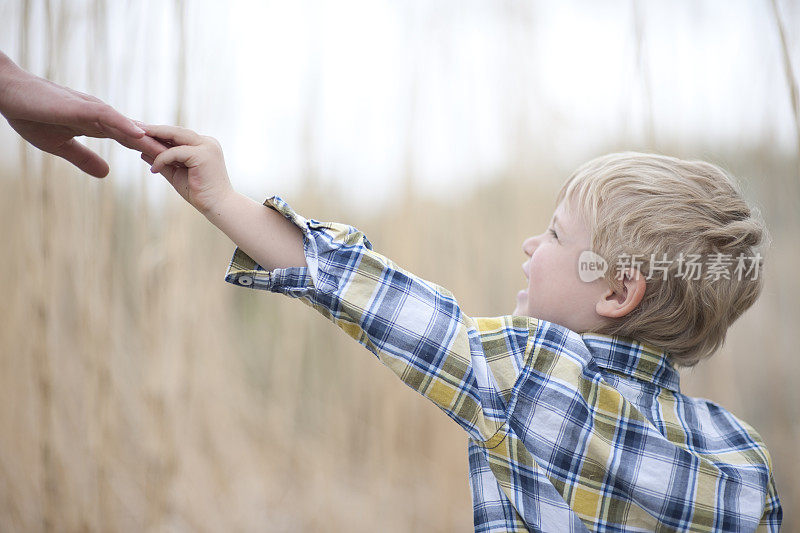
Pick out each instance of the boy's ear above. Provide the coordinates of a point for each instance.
(618, 303)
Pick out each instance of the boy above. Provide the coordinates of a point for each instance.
(571, 404)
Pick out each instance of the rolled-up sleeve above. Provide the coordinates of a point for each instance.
(466, 366)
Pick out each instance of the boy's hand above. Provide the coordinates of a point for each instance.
(193, 165)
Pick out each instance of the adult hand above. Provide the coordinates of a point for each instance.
(50, 116)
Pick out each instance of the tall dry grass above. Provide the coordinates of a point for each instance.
(138, 391)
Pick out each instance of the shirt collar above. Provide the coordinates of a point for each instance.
(637, 359)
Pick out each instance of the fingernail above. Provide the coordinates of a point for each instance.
(153, 170)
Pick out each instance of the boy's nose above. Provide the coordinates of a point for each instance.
(529, 245)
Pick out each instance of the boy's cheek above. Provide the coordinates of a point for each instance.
(540, 270)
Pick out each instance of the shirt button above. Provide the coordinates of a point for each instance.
(245, 280)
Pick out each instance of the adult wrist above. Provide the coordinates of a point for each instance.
(8, 74)
(5, 63)
(5, 75)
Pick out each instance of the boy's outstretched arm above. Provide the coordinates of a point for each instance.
(261, 232)
(195, 167)
(465, 366)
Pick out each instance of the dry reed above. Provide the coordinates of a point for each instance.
(138, 391)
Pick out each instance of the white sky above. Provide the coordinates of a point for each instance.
(358, 91)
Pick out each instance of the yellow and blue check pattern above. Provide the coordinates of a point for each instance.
(567, 432)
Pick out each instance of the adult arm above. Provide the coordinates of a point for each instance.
(50, 116)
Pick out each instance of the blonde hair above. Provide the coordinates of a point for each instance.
(651, 205)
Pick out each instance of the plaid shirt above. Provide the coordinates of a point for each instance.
(567, 432)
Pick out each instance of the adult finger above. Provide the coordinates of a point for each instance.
(86, 118)
(174, 156)
(83, 158)
(110, 118)
(175, 134)
(146, 145)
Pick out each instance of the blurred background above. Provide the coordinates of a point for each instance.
(138, 391)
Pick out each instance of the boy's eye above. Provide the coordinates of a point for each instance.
(553, 233)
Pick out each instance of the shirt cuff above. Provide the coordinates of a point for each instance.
(319, 239)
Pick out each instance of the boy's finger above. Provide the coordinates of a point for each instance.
(167, 171)
(175, 134)
(173, 156)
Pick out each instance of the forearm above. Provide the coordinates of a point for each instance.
(261, 232)
(415, 327)
(8, 72)
(6, 65)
